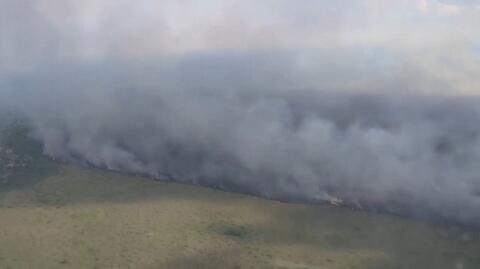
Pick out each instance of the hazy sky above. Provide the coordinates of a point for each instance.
(437, 40)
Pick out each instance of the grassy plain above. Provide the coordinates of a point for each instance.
(82, 218)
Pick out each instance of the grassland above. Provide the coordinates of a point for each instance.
(60, 216)
(79, 218)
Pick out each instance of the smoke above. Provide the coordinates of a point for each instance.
(311, 102)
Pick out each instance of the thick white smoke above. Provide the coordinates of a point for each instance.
(285, 100)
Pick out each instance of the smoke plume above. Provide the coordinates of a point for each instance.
(315, 102)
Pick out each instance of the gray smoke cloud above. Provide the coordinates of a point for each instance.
(291, 103)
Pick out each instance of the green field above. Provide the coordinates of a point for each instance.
(60, 216)
(78, 218)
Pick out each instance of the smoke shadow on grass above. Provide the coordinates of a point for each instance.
(373, 240)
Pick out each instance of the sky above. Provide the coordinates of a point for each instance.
(437, 40)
